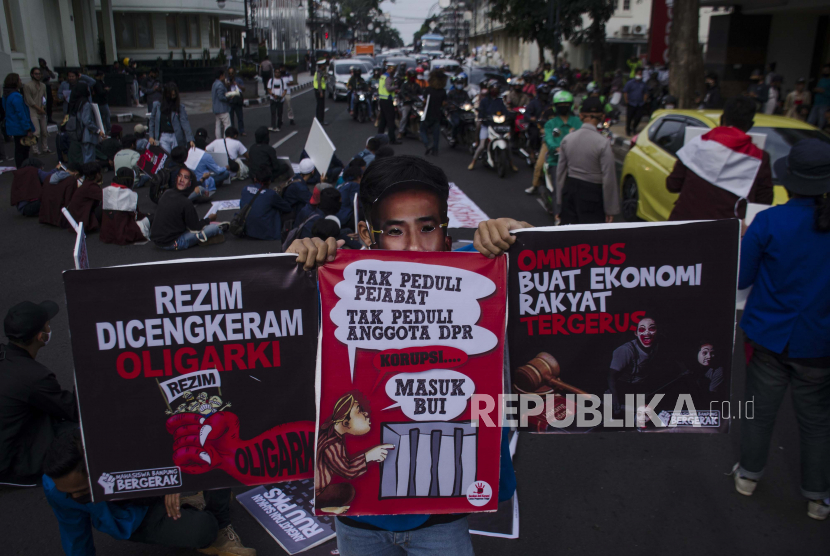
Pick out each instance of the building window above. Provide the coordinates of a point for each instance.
(133, 30)
(183, 31)
(626, 5)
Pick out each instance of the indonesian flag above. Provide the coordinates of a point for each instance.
(725, 157)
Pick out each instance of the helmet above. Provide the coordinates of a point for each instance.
(592, 87)
(505, 67)
(527, 75)
(563, 97)
(669, 100)
(410, 71)
(517, 83)
(352, 69)
(462, 75)
(542, 90)
(562, 83)
(552, 79)
(419, 70)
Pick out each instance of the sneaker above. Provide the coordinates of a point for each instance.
(273, 129)
(228, 543)
(218, 238)
(225, 226)
(818, 509)
(530, 190)
(742, 485)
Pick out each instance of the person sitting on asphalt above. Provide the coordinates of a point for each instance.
(176, 225)
(112, 144)
(368, 154)
(209, 175)
(57, 193)
(348, 191)
(170, 520)
(128, 157)
(264, 220)
(718, 173)
(262, 155)
(141, 140)
(121, 222)
(85, 206)
(328, 204)
(27, 186)
(33, 406)
(297, 194)
(236, 151)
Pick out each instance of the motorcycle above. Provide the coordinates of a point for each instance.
(466, 124)
(522, 141)
(498, 135)
(361, 105)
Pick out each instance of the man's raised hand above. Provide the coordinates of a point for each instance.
(493, 237)
(314, 252)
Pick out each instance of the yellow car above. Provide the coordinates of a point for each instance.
(651, 156)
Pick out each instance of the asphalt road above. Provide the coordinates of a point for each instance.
(601, 493)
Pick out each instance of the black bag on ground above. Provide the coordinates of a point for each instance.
(159, 183)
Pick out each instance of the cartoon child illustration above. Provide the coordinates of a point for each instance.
(349, 416)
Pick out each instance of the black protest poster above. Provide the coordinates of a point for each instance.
(195, 374)
(624, 326)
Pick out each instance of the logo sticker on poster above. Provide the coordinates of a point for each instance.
(142, 479)
(479, 493)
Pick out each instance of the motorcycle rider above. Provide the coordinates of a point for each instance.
(545, 112)
(386, 106)
(533, 115)
(563, 122)
(516, 98)
(408, 94)
(505, 71)
(530, 84)
(419, 72)
(357, 84)
(546, 72)
(488, 107)
(457, 98)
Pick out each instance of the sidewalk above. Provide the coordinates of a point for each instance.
(200, 102)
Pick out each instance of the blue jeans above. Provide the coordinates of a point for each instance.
(218, 178)
(767, 379)
(236, 115)
(88, 150)
(142, 181)
(447, 538)
(168, 142)
(431, 127)
(106, 118)
(205, 192)
(816, 117)
(189, 239)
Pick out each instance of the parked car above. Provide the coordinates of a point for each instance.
(339, 74)
(652, 155)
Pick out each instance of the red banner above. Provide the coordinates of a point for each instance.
(410, 342)
(659, 32)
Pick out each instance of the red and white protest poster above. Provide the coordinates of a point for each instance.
(407, 340)
(195, 374)
(152, 159)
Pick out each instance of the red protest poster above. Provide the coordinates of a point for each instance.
(408, 339)
(152, 159)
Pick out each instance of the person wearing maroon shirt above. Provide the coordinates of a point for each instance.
(85, 206)
(57, 194)
(702, 200)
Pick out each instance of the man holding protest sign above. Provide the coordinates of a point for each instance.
(405, 202)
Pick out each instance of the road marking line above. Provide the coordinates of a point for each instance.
(326, 110)
(284, 139)
(295, 95)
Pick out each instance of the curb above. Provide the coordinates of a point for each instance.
(622, 142)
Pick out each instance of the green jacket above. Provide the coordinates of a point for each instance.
(633, 67)
(564, 128)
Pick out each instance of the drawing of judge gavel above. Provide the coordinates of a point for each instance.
(541, 371)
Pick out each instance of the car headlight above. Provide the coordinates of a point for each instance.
(468, 106)
(498, 119)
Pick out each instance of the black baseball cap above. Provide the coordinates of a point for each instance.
(591, 105)
(26, 319)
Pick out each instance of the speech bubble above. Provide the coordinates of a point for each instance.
(436, 395)
(416, 360)
(394, 305)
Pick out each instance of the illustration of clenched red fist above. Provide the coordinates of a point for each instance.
(201, 444)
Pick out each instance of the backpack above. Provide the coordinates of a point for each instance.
(159, 183)
(295, 232)
(73, 126)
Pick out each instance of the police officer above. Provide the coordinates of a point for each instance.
(33, 407)
(320, 90)
(386, 98)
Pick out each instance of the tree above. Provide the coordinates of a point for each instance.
(387, 37)
(527, 20)
(685, 55)
(572, 23)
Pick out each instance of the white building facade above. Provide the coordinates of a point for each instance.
(67, 32)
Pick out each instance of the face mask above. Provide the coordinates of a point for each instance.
(638, 77)
(562, 110)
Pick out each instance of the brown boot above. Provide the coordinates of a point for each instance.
(228, 543)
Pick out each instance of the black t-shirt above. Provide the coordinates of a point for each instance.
(166, 123)
(436, 97)
(99, 93)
